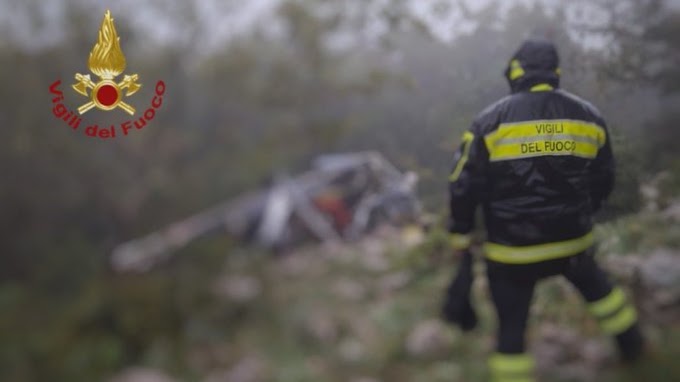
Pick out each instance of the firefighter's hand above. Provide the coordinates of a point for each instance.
(460, 244)
(457, 308)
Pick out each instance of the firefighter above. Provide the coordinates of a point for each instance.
(539, 163)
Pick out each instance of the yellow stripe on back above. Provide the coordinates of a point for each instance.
(545, 137)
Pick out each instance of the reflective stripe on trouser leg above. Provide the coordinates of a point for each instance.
(613, 312)
(511, 367)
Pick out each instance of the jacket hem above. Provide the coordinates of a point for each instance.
(538, 252)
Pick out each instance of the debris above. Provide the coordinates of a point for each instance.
(342, 198)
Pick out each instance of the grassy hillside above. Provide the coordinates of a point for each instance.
(361, 313)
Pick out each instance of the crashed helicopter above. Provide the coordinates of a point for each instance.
(341, 198)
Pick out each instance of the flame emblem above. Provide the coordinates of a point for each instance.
(107, 61)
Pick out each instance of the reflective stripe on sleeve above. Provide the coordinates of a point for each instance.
(539, 252)
(468, 137)
(545, 137)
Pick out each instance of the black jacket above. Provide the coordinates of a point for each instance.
(539, 161)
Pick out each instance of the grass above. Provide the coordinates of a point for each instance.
(361, 313)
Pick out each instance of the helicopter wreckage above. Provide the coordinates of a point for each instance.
(342, 198)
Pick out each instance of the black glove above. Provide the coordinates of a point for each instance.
(457, 308)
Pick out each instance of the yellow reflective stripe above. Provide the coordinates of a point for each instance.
(516, 70)
(545, 137)
(541, 88)
(620, 322)
(608, 304)
(542, 127)
(558, 71)
(460, 241)
(468, 137)
(539, 252)
(504, 364)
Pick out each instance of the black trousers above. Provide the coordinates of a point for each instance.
(512, 288)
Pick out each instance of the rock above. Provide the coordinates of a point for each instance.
(140, 374)
(317, 365)
(624, 267)
(368, 330)
(348, 289)
(557, 344)
(374, 259)
(238, 288)
(655, 280)
(393, 281)
(659, 295)
(661, 270)
(364, 379)
(248, 369)
(672, 212)
(429, 337)
(322, 328)
(650, 191)
(650, 195)
(351, 350)
(565, 352)
(596, 353)
(294, 264)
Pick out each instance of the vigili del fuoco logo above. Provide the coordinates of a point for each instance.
(106, 62)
